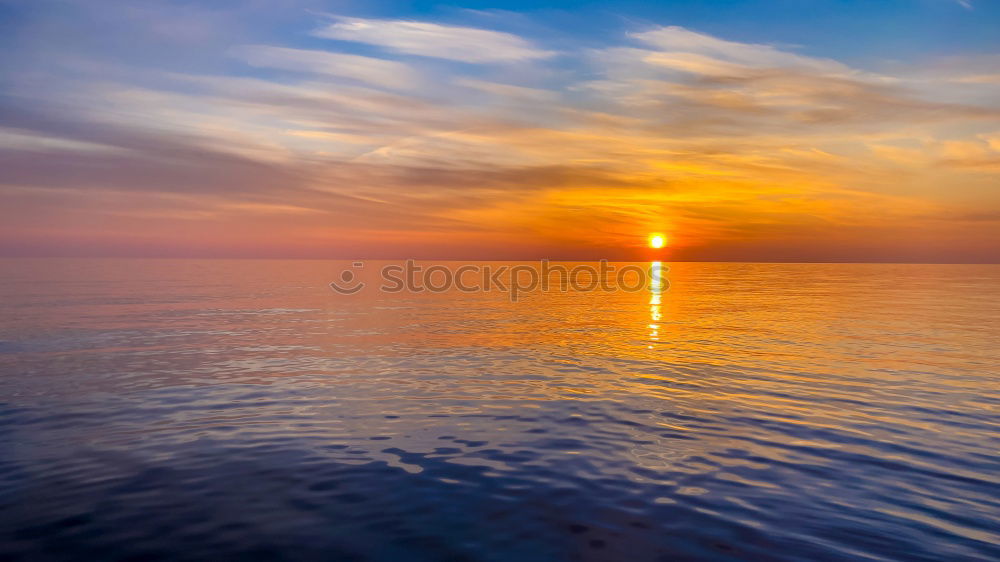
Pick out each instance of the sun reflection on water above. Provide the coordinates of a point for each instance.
(655, 291)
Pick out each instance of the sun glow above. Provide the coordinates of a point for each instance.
(657, 241)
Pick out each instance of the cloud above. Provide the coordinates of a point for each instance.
(508, 91)
(379, 72)
(464, 44)
(698, 52)
(132, 159)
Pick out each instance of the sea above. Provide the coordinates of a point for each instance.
(160, 409)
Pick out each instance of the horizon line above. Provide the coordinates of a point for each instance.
(272, 258)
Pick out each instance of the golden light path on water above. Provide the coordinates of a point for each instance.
(655, 292)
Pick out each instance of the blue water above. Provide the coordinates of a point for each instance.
(241, 410)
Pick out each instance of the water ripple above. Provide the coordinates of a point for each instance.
(783, 412)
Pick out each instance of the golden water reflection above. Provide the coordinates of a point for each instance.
(655, 292)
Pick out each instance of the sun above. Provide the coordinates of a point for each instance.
(657, 240)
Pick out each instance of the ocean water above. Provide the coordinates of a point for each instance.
(242, 410)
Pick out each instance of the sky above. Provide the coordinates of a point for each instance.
(742, 130)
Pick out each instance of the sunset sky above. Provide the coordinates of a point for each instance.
(743, 130)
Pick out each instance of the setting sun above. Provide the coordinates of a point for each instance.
(657, 241)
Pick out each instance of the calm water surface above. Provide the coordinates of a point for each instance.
(242, 410)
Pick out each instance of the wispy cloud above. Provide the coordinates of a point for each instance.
(371, 70)
(465, 44)
(707, 51)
